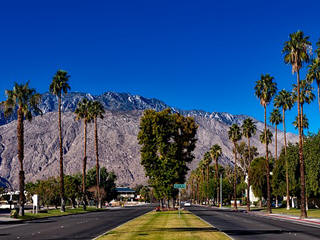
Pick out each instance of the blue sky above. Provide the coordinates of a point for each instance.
(190, 54)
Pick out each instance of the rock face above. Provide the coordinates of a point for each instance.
(118, 145)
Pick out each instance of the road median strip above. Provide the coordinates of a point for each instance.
(165, 225)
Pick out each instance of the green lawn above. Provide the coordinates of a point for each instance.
(57, 212)
(312, 213)
(165, 226)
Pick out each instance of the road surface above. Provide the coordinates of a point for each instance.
(82, 226)
(242, 225)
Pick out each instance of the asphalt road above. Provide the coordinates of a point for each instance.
(241, 225)
(82, 226)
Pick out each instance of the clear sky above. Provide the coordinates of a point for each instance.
(190, 54)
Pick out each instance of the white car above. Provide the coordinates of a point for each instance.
(187, 204)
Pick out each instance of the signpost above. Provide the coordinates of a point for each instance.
(179, 186)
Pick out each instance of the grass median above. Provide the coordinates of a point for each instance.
(312, 213)
(166, 226)
(57, 212)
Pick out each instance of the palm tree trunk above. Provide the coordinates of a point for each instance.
(216, 177)
(63, 207)
(20, 129)
(285, 154)
(248, 185)
(267, 163)
(97, 161)
(84, 191)
(302, 177)
(235, 178)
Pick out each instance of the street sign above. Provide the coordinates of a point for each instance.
(183, 186)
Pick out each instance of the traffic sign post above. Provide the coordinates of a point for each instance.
(179, 186)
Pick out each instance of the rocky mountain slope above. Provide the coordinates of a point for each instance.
(118, 146)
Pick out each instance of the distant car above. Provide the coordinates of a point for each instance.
(187, 204)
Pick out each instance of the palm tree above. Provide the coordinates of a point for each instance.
(306, 96)
(305, 122)
(83, 112)
(235, 135)
(202, 169)
(96, 111)
(26, 99)
(248, 130)
(276, 119)
(314, 74)
(296, 52)
(285, 100)
(216, 152)
(207, 161)
(265, 89)
(267, 136)
(58, 86)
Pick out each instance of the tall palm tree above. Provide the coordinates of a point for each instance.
(83, 112)
(207, 161)
(216, 152)
(235, 135)
(314, 74)
(267, 136)
(58, 86)
(276, 119)
(26, 99)
(248, 130)
(305, 122)
(202, 168)
(96, 111)
(306, 96)
(285, 100)
(265, 89)
(296, 52)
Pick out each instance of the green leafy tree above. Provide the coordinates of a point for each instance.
(265, 90)
(73, 188)
(296, 52)
(167, 141)
(276, 119)
(58, 86)
(83, 112)
(235, 135)
(96, 110)
(106, 184)
(26, 99)
(285, 101)
(258, 172)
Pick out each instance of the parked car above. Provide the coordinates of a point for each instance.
(187, 204)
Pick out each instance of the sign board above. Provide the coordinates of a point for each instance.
(183, 186)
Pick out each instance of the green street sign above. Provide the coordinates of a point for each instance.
(183, 186)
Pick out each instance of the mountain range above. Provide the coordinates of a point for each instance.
(118, 145)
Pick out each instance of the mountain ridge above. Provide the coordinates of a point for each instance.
(119, 150)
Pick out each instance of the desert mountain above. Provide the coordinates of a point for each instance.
(118, 146)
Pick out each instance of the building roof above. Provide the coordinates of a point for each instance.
(124, 190)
